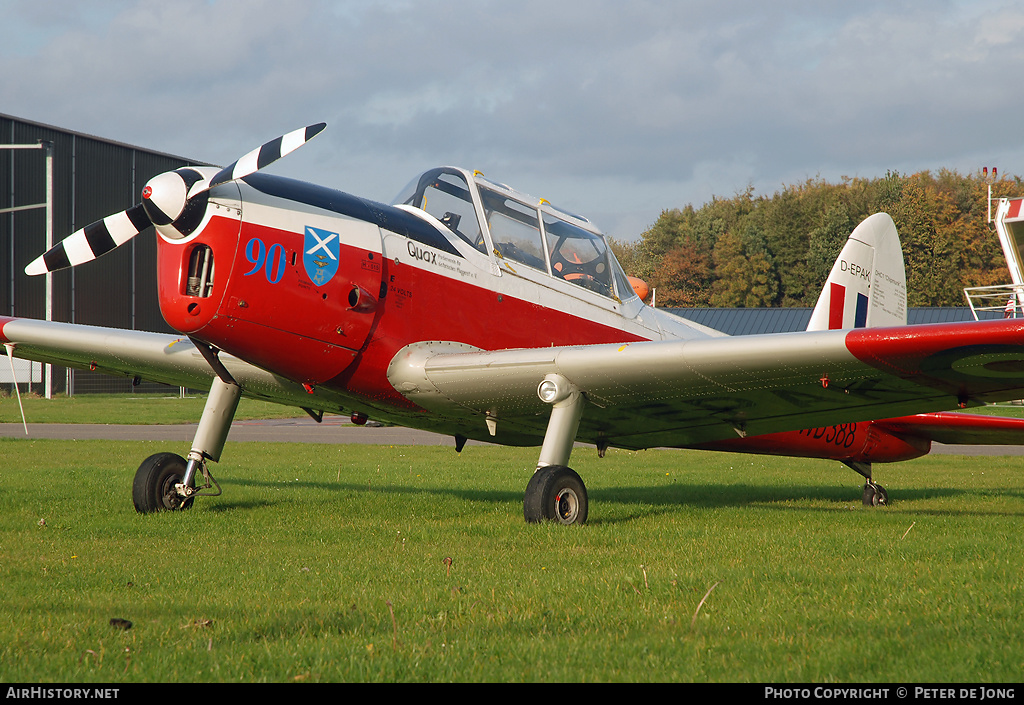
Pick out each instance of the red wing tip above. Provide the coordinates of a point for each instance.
(4, 320)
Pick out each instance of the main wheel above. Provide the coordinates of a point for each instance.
(555, 493)
(153, 488)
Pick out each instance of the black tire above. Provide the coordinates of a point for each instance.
(153, 488)
(555, 493)
(868, 498)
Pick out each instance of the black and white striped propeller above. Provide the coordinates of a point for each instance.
(174, 202)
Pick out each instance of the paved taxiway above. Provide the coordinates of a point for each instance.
(334, 429)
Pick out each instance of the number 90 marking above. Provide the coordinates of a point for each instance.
(271, 261)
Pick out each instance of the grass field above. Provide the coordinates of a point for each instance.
(329, 564)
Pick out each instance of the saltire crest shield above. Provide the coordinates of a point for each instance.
(320, 255)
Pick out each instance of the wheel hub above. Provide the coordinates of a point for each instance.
(171, 498)
(567, 506)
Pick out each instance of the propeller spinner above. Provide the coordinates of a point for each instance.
(174, 201)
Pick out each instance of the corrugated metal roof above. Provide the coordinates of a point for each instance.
(755, 321)
(115, 143)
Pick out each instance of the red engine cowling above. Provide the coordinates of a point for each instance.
(286, 289)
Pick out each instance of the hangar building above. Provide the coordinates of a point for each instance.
(92, 178)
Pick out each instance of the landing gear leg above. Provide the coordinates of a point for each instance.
(874, 494)
(556, 492)
(167, 481)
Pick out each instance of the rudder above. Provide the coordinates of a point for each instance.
(867, 286)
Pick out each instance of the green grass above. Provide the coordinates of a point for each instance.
(294, 573)
(129, 409)
(1012, 410)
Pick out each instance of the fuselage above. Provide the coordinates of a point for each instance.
(326, 289)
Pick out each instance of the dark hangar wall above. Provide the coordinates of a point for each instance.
(92, 178)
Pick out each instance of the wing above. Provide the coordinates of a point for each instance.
(151, 356)
(640, 395)
(681, 393)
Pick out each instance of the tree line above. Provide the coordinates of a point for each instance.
(753, 251)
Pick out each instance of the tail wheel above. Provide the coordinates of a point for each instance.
(153, 488)
(875, 496)
(555, 493)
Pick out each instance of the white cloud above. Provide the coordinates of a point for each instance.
(608, 107)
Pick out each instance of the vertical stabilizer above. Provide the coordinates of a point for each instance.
(868, 284)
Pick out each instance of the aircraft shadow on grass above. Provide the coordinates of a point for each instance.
(660, 498)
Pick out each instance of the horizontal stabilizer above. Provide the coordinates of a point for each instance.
(955, 428)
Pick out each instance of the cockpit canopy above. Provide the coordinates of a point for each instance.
(493, 218)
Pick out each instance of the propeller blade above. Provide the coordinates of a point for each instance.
(168, 198)
(264, 156)
(91, 241)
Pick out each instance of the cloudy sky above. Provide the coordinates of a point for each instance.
(616, 110)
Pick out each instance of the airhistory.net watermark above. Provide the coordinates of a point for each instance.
(56, 693)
